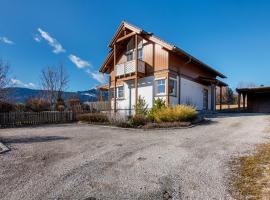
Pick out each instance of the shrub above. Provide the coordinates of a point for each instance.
(94, 118)
(158, 105)
(174, 114)
(37, 105)
(137, 120)
(141, 107)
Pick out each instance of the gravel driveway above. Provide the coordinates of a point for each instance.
(92, 162)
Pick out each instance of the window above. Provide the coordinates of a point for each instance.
(140, 54)
(160, 90)
(120, 92)
(172, 87)
(129, 55)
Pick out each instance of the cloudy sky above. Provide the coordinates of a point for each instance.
(231, 36)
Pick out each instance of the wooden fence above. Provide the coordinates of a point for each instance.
(13, 119)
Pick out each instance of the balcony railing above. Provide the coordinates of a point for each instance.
(129, 67)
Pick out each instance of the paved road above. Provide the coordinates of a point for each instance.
(81, 161)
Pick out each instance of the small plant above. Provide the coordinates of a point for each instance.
(141, 107)
(94, 118)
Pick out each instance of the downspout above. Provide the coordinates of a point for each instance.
(179, 90)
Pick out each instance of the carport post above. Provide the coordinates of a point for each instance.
(220, 97)
(244, 101)
(239, 100)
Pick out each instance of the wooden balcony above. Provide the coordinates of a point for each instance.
(129, 68)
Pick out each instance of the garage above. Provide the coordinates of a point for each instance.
(254, 99)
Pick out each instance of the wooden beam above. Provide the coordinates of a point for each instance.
(136, 69)
(109, 91)
(125, 37)
(114, 67)
(212, 97)
(220, 97)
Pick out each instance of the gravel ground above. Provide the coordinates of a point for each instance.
(92, 162)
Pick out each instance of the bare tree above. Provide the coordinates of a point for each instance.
(246, 84)
(54, 80)
(4, 79)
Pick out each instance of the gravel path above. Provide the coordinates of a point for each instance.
(81, 161)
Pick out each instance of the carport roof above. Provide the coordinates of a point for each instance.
(253, 90)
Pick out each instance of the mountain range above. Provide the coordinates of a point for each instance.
(20, 95)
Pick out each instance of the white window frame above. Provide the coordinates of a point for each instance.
(175, 87)
(117, 91)
(156, 85)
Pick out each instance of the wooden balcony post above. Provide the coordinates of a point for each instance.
(136, 69)
(114, 66)
(220, 98)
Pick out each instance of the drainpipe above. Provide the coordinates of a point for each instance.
(179, 90)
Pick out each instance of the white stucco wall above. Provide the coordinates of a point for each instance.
(192, 92)
(145, 90)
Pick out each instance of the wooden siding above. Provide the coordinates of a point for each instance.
(176, 63)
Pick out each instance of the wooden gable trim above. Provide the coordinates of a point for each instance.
(126, 37)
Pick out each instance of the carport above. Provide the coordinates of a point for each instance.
(255, 99)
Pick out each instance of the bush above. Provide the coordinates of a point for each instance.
(174, 114)
(158, 105)
(94, 118)
(141, 107)
(137, 120)
(37, 105)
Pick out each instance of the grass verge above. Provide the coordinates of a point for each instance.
(252, 175)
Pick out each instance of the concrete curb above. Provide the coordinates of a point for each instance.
(3, 148)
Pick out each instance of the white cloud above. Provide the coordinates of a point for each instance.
(6, 40)
(18, 82)
(57, 47)
(30, 85)
(97, 76)
(78, 61)
(37, 38)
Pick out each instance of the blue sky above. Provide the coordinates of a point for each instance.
(231, 36)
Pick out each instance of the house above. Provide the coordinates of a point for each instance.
(141, 64)
(255, 99)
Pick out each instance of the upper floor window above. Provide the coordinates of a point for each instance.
(140, 53)
(160, 87)
(172, 87)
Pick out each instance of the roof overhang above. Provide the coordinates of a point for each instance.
(212, 81)
(254, 90)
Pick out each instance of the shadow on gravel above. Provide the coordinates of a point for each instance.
(15, 140)
(238, 114)
(207, 122)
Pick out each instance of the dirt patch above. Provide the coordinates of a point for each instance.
(252, 175)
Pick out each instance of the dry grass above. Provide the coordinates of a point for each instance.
(225, 106)
(253, 175)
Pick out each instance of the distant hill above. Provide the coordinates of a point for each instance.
(20, 95)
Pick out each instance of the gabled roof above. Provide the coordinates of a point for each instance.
(157, 40)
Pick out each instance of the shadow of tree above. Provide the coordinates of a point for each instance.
(14, 140)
